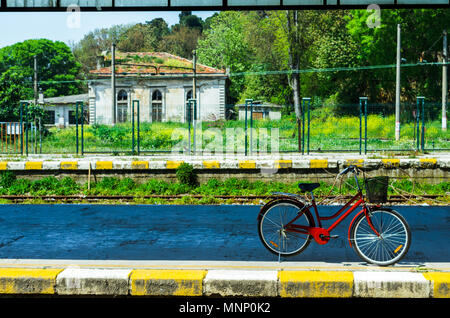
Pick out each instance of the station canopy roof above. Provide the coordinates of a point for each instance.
(198, 5)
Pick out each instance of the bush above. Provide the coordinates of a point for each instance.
(186, 174)
(7, 179)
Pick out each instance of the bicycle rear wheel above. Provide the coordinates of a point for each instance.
(392, 244)
(274, 216)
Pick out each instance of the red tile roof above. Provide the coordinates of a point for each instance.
(152, 63)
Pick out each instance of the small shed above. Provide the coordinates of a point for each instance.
(60, 111)
(261, 110)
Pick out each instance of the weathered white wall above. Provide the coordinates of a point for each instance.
(210, 92)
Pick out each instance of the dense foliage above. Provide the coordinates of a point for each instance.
(57, 72)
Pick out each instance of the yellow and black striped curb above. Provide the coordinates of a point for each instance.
(244, 164)
(224, 282)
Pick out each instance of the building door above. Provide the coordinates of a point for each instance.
(122, 106)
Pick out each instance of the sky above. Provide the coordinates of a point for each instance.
(70, 27)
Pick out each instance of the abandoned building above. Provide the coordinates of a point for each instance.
(162, 82)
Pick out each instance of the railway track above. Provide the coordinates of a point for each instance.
(232, 198)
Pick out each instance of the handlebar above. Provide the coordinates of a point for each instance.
(347, 170)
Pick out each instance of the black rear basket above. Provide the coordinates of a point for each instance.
(376, 189)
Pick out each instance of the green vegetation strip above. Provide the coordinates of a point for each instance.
(187, 187)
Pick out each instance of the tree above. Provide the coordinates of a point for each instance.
(224, 46)
(58, 72)
(421, 31)
(94, 43)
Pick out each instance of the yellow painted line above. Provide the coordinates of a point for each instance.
(211, 164)
(315, 284)
(247, 164)
(441, 284)
(318, 163)
(354, 162)
(391, 163)
(427, 162)
(104, 165)
(166, 282)
(283, 164)
(3, 165)
(173, 164)
(69, 165)
(28, 280)
(139, 165)
(33, 165)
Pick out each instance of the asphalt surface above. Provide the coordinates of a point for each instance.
(173, 232)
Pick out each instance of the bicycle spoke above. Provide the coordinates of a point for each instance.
(389, 246)
(274, 234)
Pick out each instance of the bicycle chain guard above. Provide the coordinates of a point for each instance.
(320, 235)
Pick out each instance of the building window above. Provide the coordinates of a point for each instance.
(73, 117)
(189, 95)
(49, 117)
(122, 106)
(157, 106)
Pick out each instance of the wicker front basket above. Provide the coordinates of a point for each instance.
(376, 189)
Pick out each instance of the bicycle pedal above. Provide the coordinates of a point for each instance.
(328, 236)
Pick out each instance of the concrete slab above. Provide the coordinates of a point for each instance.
(391, 285)
(248, 283)
(85, 281)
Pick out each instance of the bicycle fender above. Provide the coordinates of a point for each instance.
(356, 216)
(351, 226)
(276, 200)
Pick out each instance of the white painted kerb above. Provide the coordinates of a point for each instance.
(241, 283)
(93, 281)
(391, 285)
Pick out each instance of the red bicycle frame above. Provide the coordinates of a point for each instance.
(322, 235)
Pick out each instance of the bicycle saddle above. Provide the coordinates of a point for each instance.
(308, 187)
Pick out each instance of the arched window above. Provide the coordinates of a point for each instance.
(189, 95)
(122, 106)
(156, 105)
(157, 96)
(122, 96)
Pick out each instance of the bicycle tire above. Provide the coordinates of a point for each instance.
(268, 227)
(392, 244)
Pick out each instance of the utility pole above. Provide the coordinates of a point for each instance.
(113, 82)
(194, 95)
(397, 86)
(444, 83)
(35, 100)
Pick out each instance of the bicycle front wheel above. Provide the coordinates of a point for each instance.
(390, 246)
(272, 231)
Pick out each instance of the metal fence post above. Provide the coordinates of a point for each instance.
(26, 128)
(365, 126)
(360, 125)
(21, 128)
(423, 123)
(132, 126)
(307, 101)
(421, 114)
(309, 122)
(417, 123)
(245, 128)
(138, 128)
(76, 125)
(303, 126)
(188, 118)
(248, 103)
(363, 100)
(82, 128)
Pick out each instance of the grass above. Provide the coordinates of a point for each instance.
(328, 132)
(111, 186)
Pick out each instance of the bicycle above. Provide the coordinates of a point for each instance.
(379, 235)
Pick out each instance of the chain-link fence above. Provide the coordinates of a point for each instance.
(362, 127)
